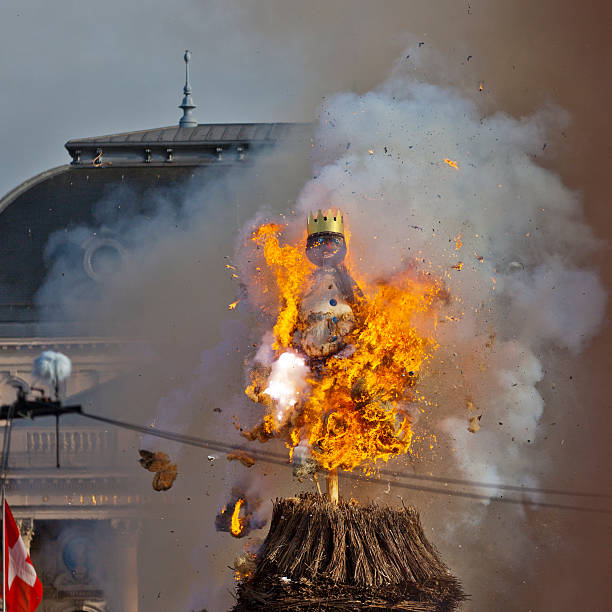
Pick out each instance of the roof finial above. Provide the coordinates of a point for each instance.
(187, 119)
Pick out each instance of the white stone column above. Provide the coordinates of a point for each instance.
(127, 533)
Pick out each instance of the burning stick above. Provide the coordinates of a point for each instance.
(237, 517)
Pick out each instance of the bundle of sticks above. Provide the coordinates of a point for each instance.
(326, 555)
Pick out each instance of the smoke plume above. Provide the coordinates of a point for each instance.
(425, 178)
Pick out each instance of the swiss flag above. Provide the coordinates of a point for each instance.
(22, 587)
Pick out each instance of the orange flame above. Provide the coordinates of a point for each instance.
(233, 305)
(357, 411)
(291, 269)
(237, 524)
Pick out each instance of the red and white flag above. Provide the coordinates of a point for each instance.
(23, 589)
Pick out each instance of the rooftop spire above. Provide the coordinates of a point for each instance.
(187, 119)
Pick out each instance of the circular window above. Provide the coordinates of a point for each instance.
(102, 258)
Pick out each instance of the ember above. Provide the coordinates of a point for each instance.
(452, 164)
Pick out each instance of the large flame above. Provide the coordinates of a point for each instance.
(291, 270)
(357, 407)
(359, 410)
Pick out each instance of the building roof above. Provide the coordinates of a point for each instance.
(204, 133)
(177, 145)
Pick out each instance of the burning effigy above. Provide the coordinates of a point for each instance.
(337, 379)
(340, 388)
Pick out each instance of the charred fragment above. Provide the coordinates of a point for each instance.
(241, 456)
(158, 462)
(328, 556)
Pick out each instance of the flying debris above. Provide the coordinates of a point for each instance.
(241, 456)
(451, 163)
(238, 516)
(474, 425)
(158, 462)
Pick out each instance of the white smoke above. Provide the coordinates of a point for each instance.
(504, 233)
(287, 382)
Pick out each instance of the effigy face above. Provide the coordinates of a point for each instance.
(326, 248)
(325, 316)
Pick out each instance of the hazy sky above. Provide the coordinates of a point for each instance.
(76, 68)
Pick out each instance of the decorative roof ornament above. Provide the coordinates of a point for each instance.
(187, 105)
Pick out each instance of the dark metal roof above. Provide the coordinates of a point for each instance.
(202, 134)
(188, 146)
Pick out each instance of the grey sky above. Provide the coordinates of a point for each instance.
(75, 68)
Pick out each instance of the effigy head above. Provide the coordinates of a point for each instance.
(325, 245)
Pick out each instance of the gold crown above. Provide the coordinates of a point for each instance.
(328, 222)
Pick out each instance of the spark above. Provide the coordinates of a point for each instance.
(451, 163)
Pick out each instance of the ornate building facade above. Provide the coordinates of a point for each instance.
(94, 500)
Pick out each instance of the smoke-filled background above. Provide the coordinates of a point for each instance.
(514, 92)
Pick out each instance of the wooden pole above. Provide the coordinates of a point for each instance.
(332, 485)
(317, 483)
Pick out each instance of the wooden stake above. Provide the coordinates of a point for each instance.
(317, 483)
(332, 485)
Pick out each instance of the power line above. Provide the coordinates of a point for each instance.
(24, 408)
(277, 458)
